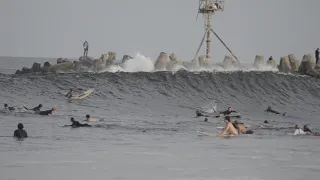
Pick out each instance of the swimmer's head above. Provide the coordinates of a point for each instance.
(5, 105)
(229, 108)
(53, 109)
(206, 119)
(40, 105)
(20, 126)
(297, 126)
(72, 119)
(266, 121)
(87, 116)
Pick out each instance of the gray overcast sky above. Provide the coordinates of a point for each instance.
(54, 28)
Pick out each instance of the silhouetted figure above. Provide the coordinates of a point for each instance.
(86, 48)
(270, 58)
(20, 132)
(317, 55)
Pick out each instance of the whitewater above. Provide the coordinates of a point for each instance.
(147, 125)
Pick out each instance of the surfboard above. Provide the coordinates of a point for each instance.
(83, 95)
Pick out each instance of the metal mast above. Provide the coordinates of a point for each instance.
(208, 9)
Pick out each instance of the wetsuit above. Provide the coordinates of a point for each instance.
(45, 113)
(76, 124)
(227, 112)
(36, 109)
(20, 133)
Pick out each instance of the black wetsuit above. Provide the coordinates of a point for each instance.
(227, 112)
(20, 133)
(76, 124)
(37, 109)
(45, 113)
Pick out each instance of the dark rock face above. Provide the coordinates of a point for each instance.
(126, 58)
(86, 61)
(36, 67)
(46, 67)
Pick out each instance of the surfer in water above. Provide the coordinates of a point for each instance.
(76, 124)
(47, 112)
(269, 109)
(20, 132)
(229, 129)
(7, 108)
(71, 93)
(228, 111)
(241, 128)
(90, 119)
(35, 109)
(307, 130)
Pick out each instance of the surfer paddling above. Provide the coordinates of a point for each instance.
(35, 109)
(229, 129)
(76, 124)
(47, 112)
(71, 93)
(7, 108)
(270, 110)
(241, 128)
(228, 111)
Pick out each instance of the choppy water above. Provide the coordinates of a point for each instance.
(148, 129)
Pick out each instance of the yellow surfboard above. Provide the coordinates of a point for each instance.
(84, 94)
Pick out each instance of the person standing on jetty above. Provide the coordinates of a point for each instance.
(86, 48)
(317, 55)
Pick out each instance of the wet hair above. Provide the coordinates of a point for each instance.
(72, 119)
(206, 119)
(306, 129)
(227, 118)
(5, 105)
(40, 105)
(266, 121)
(20, 126)
(87, 116)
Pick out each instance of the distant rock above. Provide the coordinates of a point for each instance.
(306, 65)
(77, 67)
(86, 61)
(125, 58)
(294, 62)
(174, 62)
(285, 65)
(46, 67)
(161, 62)
(259, 62)
(109, 58)
(62, 67)
(191, 65)
(36, 67)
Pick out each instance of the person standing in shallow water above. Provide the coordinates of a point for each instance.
(317, 55)
(20, 132)
(86, 48)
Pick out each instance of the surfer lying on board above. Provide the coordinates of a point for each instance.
(241, 128)
(47, 112)
(307, 130)
(7, 108)
(36, 109)
(76, 124)
(269, 109)
(228, 111)
(71, 93)
(229, 129)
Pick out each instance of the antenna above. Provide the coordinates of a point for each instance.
(208, 8)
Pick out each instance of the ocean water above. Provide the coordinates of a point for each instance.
(147, 127)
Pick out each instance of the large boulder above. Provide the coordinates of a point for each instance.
(272, 64)
(86, 61)
(36, 67)
(24, 70)
(77, 67)
(191, 65)
(259, 62)
(62, 67)
(294, 62)
(307, 64)
(161, 62)
(285, 65)
(228, 62)
(99, 64)
(203, 62)
(125, 58)
(109, 58)
(46, 67)
(174, 62)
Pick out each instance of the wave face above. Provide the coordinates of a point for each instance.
(167, 93)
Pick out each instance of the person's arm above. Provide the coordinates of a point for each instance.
(15, 133)
(26, 133)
